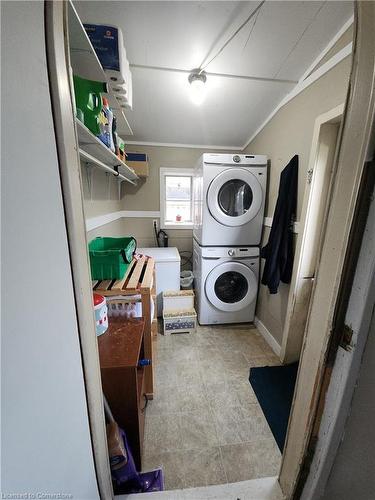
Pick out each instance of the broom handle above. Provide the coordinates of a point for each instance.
(107, 410)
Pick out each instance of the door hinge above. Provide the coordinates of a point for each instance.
(346, 338)
(309, 175)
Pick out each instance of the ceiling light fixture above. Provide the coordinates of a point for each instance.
(197, 80)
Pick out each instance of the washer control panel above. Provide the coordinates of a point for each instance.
(239, 252)
(225, 252)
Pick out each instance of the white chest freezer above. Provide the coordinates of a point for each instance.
(167, 270)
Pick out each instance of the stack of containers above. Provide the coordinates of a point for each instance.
(179, 315)
(109, 46)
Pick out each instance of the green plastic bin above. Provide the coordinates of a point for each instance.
(110, 257)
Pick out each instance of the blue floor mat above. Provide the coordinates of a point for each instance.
(274, 388)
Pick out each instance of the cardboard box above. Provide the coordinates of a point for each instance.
(181, 300)
(180, 322)
(138, 162)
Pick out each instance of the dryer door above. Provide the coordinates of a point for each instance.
(231, 286)
(234, 197)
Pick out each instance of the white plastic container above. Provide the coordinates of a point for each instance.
(167, 270)
(101, 314)
(128, 306)
(106, 129)
(178, 301)
(186, 280)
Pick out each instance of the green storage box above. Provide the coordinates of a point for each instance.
(110, 257)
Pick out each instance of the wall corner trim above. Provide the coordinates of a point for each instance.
(302, 85)
(328, 47)
(268, 337)
(189, 146)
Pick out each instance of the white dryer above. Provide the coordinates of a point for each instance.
(229, 197)
(226, 283)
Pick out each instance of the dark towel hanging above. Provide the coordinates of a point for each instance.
(279, 250)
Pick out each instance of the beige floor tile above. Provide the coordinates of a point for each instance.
(162, 434)
(197, 430)
(172, 470)
(222, 396)
(235, 425)
(273, 360)
(255, 361)
(250, 460)
(205, 423)
(186, 469)
(191, 398)
(203, 468)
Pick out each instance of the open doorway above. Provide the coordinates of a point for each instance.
(312, 224)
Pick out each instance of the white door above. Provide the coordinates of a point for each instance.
(231, 286)
(234, 197)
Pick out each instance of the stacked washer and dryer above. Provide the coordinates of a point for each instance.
(229, 198)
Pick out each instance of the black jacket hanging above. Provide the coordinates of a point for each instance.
(279, 250)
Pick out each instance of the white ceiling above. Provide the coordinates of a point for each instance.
(285, 40)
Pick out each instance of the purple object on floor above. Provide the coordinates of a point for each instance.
(151, 481)
(129, 480)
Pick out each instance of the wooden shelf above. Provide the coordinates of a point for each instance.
(85, 63)
(96, 150)
(83, 58)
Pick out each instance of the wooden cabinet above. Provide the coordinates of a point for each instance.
(123, 381)
(139, 280)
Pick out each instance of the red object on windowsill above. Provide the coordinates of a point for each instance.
(178, 218)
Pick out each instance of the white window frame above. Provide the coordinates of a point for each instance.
(175, 172)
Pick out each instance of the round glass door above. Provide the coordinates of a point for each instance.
(234, 197)
(231, 286)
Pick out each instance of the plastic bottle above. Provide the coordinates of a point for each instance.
(144, 362)
(106, 124)
(89, 103)
(114, 135)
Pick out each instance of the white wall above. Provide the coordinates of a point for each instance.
(288, 133)
(46, 445)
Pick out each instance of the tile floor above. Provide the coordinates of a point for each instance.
(205, 426)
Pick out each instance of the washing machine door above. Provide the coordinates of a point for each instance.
(234, 197)
(231, 286)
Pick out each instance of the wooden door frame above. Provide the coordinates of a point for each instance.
(294, 326)
(353, 146)
(56, 14)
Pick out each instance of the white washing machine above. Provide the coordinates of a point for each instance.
(229, 197)
(226, 283)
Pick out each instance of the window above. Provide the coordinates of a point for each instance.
(176, 198)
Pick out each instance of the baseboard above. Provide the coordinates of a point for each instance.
(271, 341)
(102, 220)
